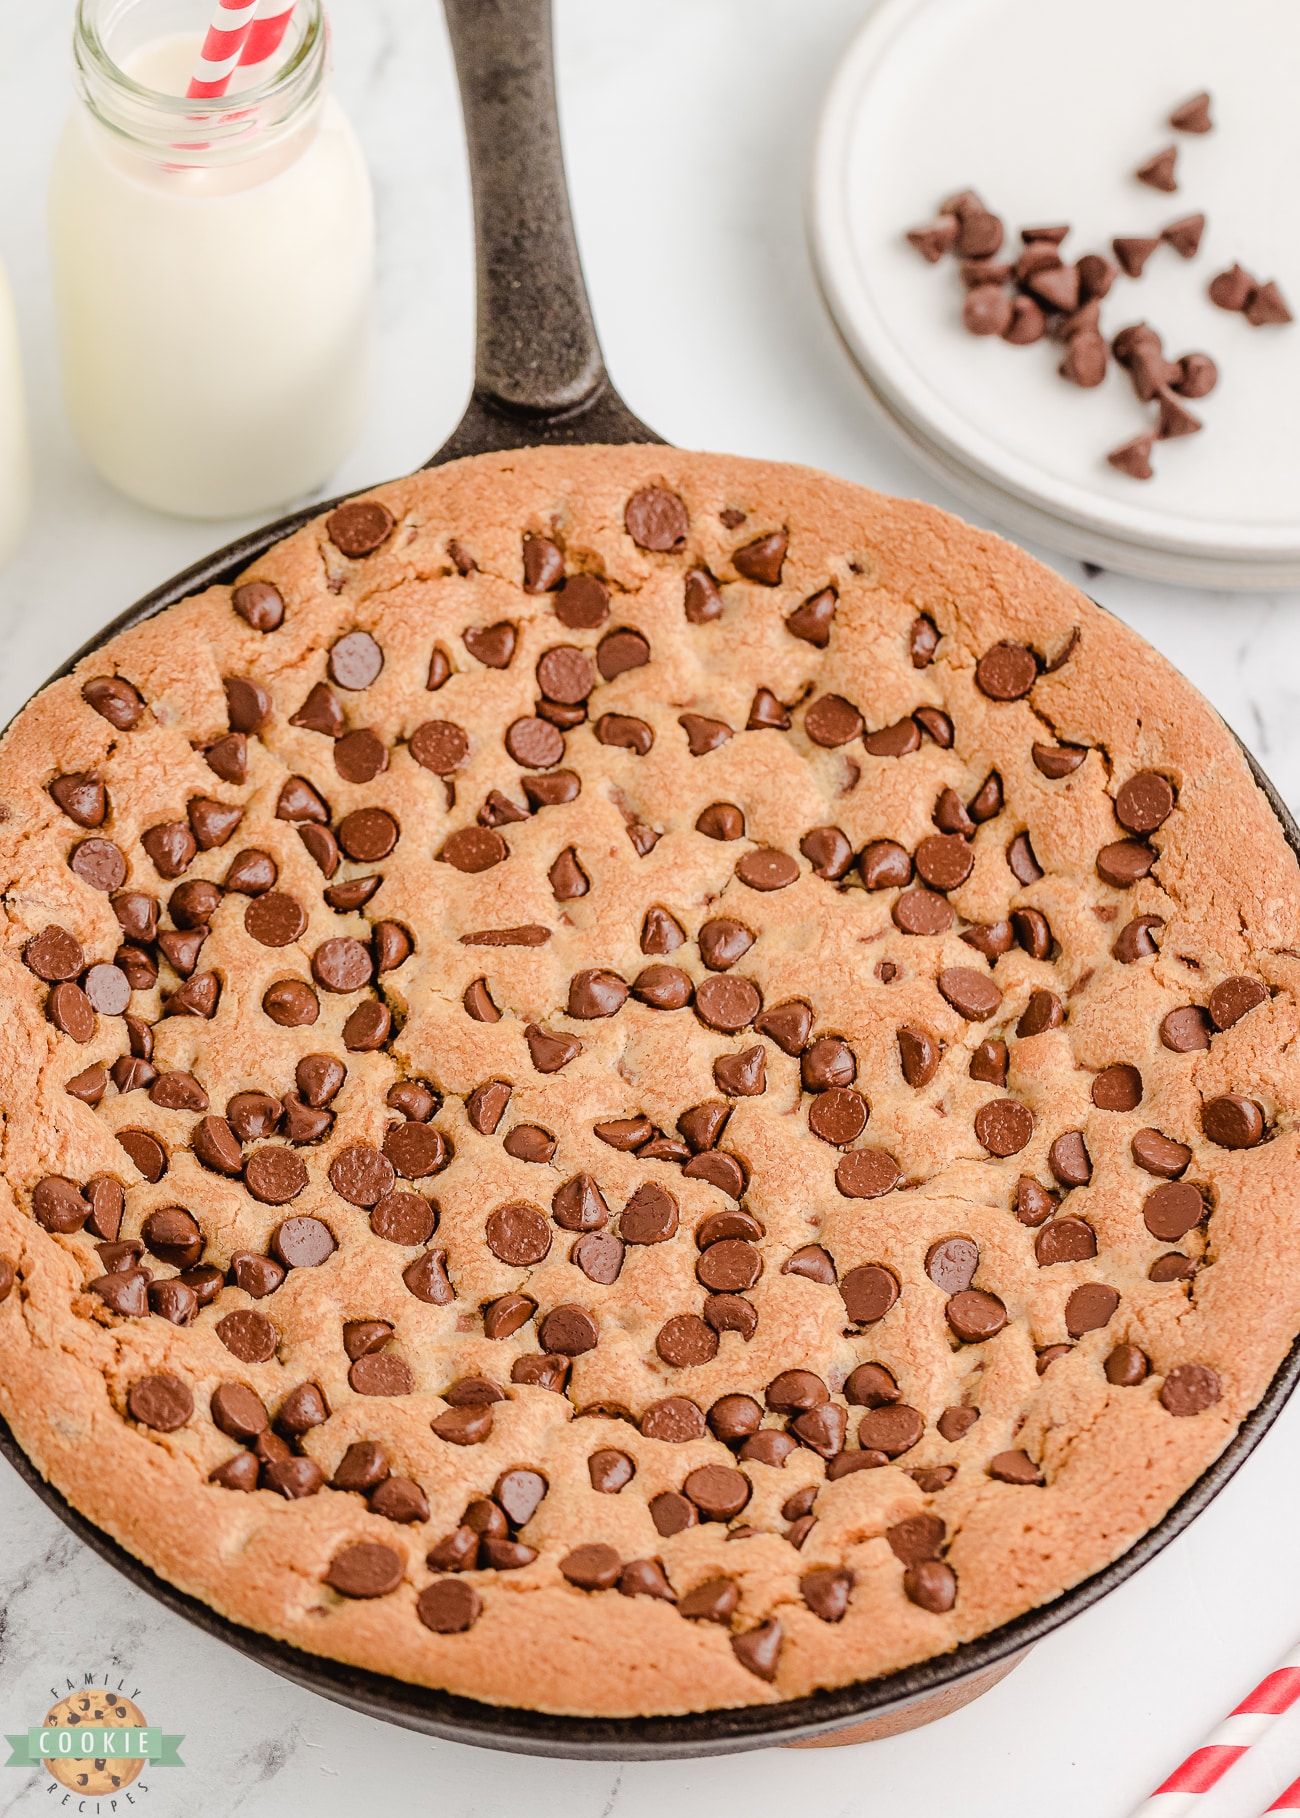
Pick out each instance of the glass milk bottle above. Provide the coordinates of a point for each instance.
(15, 474)
(213, 265)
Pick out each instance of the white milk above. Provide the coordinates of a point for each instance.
(15, 477)
(213, 301)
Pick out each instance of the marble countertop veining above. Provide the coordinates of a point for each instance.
(688, 128)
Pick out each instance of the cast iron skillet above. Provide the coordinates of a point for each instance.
(540, 379)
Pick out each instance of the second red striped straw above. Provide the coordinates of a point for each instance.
(267, 32)
(1238, 1732)
(222, 47)
(1289, 1801)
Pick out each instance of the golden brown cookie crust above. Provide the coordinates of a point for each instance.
(1113, 1458)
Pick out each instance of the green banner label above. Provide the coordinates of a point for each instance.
(94, 1743)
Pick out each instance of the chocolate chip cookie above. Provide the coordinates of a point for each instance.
(638, 1082)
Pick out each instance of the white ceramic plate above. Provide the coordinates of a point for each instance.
(1046, 109)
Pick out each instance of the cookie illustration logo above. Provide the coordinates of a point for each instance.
(96, 1742)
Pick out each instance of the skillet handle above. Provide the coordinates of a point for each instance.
(539, 375)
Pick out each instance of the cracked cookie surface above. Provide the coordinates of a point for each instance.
(638, 1082)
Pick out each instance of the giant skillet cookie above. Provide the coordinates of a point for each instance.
(638, 1082)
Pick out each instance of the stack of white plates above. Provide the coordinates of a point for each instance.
(1046, 109)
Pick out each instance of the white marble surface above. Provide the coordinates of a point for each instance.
(687, 125)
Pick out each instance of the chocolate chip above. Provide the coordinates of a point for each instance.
(1069, 1160)
(674, 1420)
(619, 651)
(1025, 868)
(550, 1052)
(322, 846)
(1089, 1308)
(933, 242)
(951, 1264)
(368, 1028)
(518, 1234)
(359, 527)
(741, 1075)
(987, 310)
(884, 865)
(568, 1331)
(1134, 458)
(719, 1492)
(339, 965)
(812, 1263)
(53, 955)
(625, 732)
(404, 1218)
(1065, 1240)
(759, 1650)
(600, 1257)
(119, 703)
(832, 721)
(198, 996)
(892, 1430)
(88, 1086)
(1006, 672)
(672, 1513)
(1117, 1088)
(1192, 116)
(767, 713)
(1197, 376)
(813, 620)
(610, 1471)
(767, 869)
(1056, 761)
(369, 834)
(289, 1002)
(1158, 172)
(975, 1316)
(663, 987)
(1172, 1210)
(361, 1175)
(259, 604)
(1233, 1122)
(257, 1275)
(448, 1607)
(1158, 1154)
(829, 1062)
(1144, 802)
(973, 995)
(868, 1293)
(1189, 1389)
(645, 1578)
(137, 916)
(828, 852)
(723, 942)
(426, 1278)
(650, 1216)
(298, 801)
(894, 741)
(656, 519)
(1230, 1000)
(237, 1412)
(728, 1267)
(1266, 305)
(727, 1003)
(212, 822)
(82, 797)
(1015, 1467)
(839, 1116)
(866, 1174)
(58, 1204)
(1135, 940)
(788, 1025)
(100, 864)
(415, 1150)
(180, 1091)
(762, 559)
(714, 1601)
(355, 660)
(922, 912)
(596, 993)
(145, 1151)
(361, 756)
(381, 1374)
(468, 1426)
(164, 1402)
(71, 1012)
(1186, 1030)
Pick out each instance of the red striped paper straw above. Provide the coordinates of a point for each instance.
(1239, 1731)
(226, 35)
(267, 32)
(1289, 1801)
